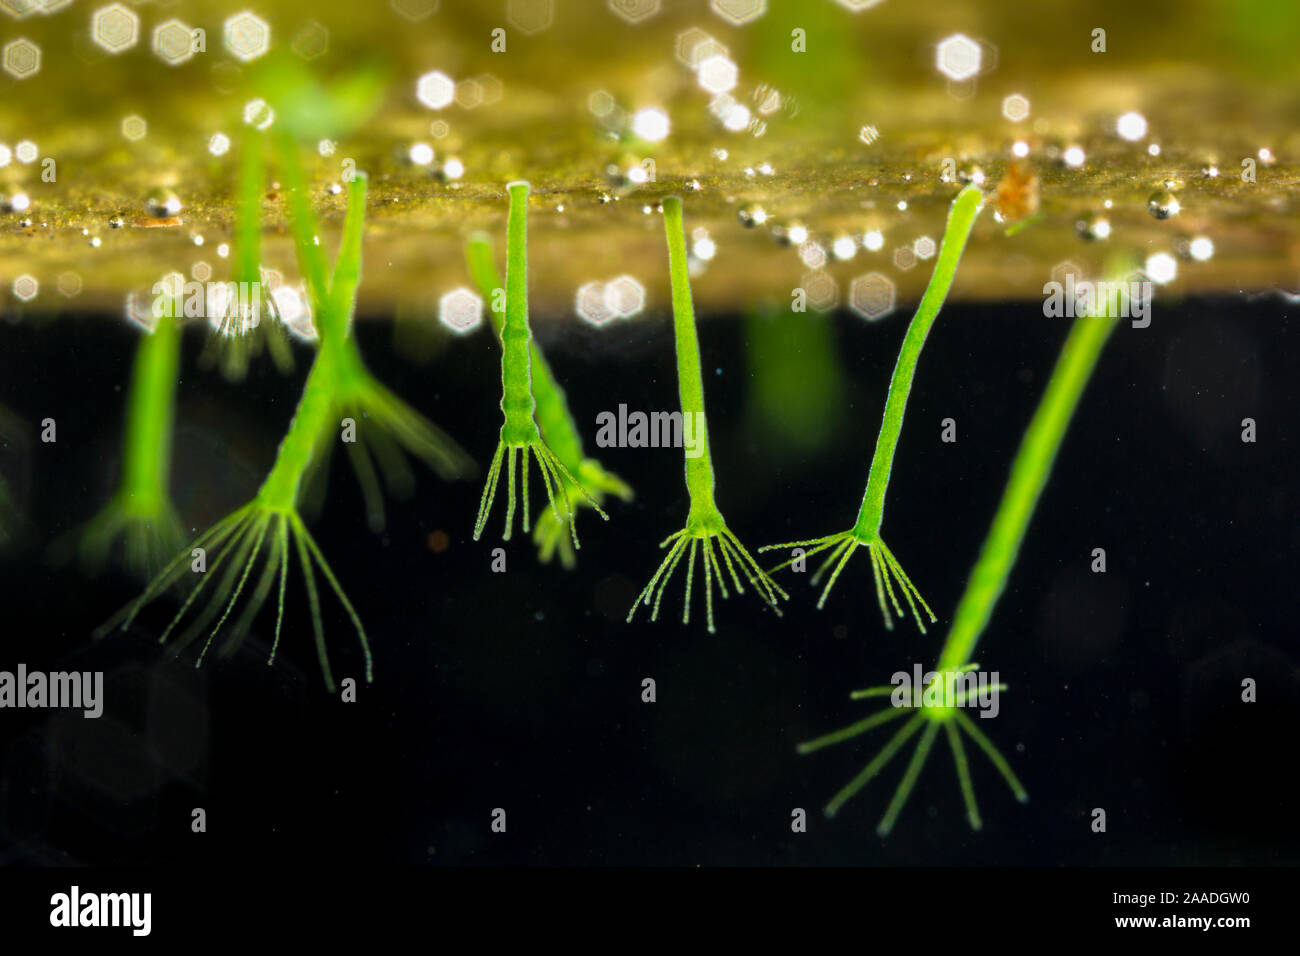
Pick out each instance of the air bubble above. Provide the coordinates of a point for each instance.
(1162, 204)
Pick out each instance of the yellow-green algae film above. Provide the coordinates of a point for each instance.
(835, 123)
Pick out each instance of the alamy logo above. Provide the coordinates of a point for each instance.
(949, 688)
(74, 908)
(58, 689)
(207, 300)
(1128, 300)
(651, 430)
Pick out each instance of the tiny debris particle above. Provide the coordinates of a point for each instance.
(1018, 192)
(751, 215)
(1092, 227)
(162, 204)
(14, 199)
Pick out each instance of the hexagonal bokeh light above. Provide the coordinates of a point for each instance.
(694, 46)
(247, 36)
(311, 41)
(958, 57)
(821, 290)
(634, 11)
(718, 74)
(1015, 107)
(134, 128)
(739, 12)
(435, 90)
(21, 58)
(872, 296)
(414, 10)
(25, 288)
(530, 17)
(460, 310)
(624, 296)
(591, 305)
(115, 28)
(173, 42)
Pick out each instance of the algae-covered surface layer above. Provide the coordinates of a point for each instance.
(817, 141)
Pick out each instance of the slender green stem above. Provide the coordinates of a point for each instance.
(317, 409)
(146, 453)
(517, 402)
(1029, 473)
(552, 407)
(250, 321)
(965, 208)
(302, 220)
(554, 420)
(385, 424)
(263, 529)
(314, 414)
(519, 431)
(346, 277)
(704, 522)
(140, 514)
(248, 209)
(690, 380)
